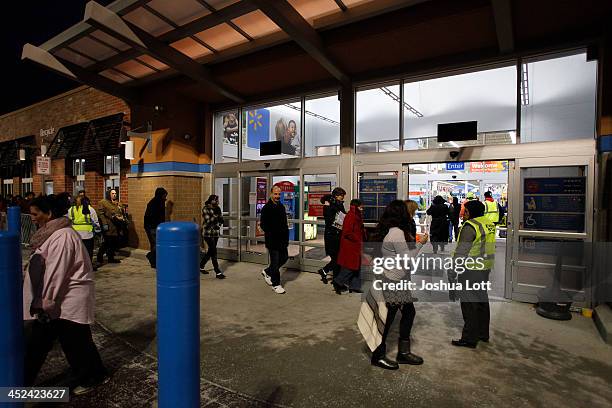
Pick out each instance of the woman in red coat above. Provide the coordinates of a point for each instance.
(349, 257)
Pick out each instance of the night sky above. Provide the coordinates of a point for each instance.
(33, 21)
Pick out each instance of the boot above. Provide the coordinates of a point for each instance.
(404, 356)
(379, 359)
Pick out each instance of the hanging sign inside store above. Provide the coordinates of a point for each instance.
(316, 191)
(489, 167)
(43, 165)
(455, 166)
(315, 208)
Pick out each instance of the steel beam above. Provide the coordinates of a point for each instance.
(292, 22)
(76, 73)
(112, 24)
(203, 23)
(502, 12)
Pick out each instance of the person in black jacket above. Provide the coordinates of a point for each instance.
(454, 211)
(439, 223)
(155, 215)
(273, 222)
(333, 204)
(212, 222)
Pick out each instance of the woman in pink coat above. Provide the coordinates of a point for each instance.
(58, 294)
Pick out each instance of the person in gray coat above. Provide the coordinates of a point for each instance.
(394, 226)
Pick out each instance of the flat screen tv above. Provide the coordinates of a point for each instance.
(270, 148)
(457, 131)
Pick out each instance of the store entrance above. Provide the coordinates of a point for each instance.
(463, 180)
(242, 199)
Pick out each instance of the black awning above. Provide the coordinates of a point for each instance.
(103, 137)
(67, 140)
(8, 154)
(9, 150)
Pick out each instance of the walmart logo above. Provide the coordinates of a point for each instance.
(255, 119)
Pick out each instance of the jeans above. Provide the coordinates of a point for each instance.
(77, 344)
(211, 254)
(349, 277)
(278, 257)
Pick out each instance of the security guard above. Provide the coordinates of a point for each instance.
(84, 222)
(476, 241)
(491, 208)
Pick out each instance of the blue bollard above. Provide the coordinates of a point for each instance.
(178, 314)
(11, 313)
(13, 215)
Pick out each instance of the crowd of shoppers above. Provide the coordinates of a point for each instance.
(59, 287)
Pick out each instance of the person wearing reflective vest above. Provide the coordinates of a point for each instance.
(476, 241)
(84, 222)
(491, 208)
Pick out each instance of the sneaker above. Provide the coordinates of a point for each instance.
(266, 277)
(85, 389)
(219, 275)
(278, 289)
(204, 271)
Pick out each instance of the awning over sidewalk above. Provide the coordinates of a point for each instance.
(130, 42)
(9, 151)
(67, 140)
(88, 140)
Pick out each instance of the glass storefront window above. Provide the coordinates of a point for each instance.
(377, 119)
(226, 136)
(78, 167)
(488, 97)
(376, 191)
(322, 122)
(272, 123)
(553, 107)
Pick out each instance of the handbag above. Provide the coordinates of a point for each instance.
(372, 318)
(339, 220)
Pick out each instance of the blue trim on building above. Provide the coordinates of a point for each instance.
(605, 144)
(170, 166)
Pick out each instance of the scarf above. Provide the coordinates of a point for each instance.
(42, 234)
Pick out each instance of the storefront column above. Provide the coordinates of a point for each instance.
(347, 139)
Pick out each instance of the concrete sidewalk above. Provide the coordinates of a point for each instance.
(303, 348)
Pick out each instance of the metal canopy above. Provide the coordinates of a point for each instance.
(116, 47)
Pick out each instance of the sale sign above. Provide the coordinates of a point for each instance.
(315, 208)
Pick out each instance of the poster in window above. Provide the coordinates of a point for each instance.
(286, 131)
(230, 128)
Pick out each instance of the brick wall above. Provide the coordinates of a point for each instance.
(184, 200)
(61, 181)
(78, 105)
(94, 186)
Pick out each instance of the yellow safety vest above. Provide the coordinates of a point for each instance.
(484, 244)
(491, 211)
(80, 221)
